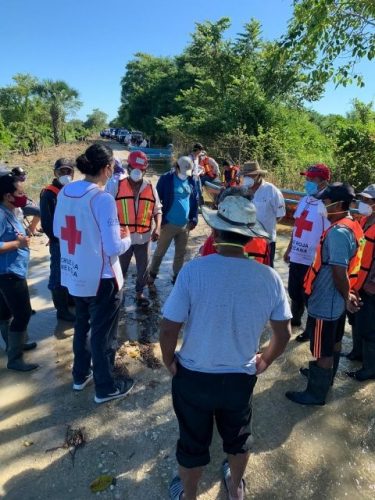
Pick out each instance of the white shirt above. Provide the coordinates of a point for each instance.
(270, 205)
(112, 188)
(224, 312)
(307, 230)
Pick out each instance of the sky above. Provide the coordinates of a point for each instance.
(88, 43)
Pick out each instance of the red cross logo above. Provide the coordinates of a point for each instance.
(302, 224)
(70, 234)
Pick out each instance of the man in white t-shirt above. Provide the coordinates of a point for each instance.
(225, 301)
(268, 200)
(309, 225)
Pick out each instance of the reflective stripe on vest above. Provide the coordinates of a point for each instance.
(367, 256)
(52, 188)
(354, 263)
(138, 219)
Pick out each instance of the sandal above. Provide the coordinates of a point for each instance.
(176, 489)
(226, 477)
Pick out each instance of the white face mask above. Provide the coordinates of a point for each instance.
(364, 209)
(248, 182)
(136, 175)
(183, 177)
(65, 179)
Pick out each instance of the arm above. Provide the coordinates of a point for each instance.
(281, 332)
(157, 216)
(287, 251)
(341, 280)
(193, 213)
(106, 215)
(169, 331)
(47, 210)
(10, 246)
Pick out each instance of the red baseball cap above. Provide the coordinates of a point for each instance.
(318, 170)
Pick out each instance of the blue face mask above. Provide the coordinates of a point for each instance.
(311, 188)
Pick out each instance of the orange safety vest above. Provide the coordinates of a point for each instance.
(354, 263)
(234, 171)
(52, 188)
(367, 256)
(137, 218)
(257, 248)
(208, 169)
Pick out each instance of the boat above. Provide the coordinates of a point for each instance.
(154, 153)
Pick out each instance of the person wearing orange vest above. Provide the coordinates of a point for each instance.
(327, 285)
(364, 288)
(231, 174)
(138, 205)
(63, 171)
(210, 168)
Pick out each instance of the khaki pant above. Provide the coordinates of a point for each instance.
(169, 232)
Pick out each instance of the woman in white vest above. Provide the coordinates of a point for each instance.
(88, 229)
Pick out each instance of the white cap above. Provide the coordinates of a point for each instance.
(185, 164)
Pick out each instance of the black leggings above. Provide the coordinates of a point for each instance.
(15, 302)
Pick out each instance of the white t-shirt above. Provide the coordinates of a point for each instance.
(112, 188)
(225, 303)
(270, 205)
(308, 228)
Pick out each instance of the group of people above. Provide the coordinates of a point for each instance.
(223, 299)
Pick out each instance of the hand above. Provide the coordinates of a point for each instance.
(23, 241)
(172, 368)
(191, 225)
(155, 234)
(354, 303)
(260, 364)
(124, 232)
(286, 257)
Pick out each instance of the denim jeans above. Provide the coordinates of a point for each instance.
(100, 314)
(15, 301)
(141, 254)
(55, 263)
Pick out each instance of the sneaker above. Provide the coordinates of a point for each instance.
(123, 388)
(82, 385)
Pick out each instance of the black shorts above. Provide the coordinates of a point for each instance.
(198, 399)
(324, 335)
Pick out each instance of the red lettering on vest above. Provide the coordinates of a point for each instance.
(71, 234)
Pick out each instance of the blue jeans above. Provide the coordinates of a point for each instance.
(55, 270)
(100, 314)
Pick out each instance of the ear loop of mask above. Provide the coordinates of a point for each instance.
(232, 245)
(335, 213)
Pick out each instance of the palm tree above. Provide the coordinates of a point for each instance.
(61, 99)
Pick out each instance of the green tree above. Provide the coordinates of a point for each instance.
(96, 120)
(61, 99)
(329, 38)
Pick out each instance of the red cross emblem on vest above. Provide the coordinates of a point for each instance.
(302, 224)
(71, 234)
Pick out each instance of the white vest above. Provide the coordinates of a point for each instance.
(82, 256)
(308, 228)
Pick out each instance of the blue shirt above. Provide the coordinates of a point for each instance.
(326, 302)
(178, 214)
(15, 261)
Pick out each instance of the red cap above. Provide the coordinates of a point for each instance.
(318, 170)
(138, 159)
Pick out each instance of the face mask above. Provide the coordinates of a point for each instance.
(248, 182)
(183, 177)
(19, 201)
(136, 175)
(364, 209)
(311, 188)
(65, 179)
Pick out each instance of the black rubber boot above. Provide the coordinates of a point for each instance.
(29, 346)
(16, 341)
(367, 372)
(317, 388)
(60, 301)
(297, 312)
(356, 353)
(4, 330)
(303, 337)
(336, 362)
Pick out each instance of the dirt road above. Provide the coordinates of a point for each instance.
(299, 453)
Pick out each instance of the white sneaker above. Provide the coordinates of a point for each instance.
(123, 388)
(80, 387)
